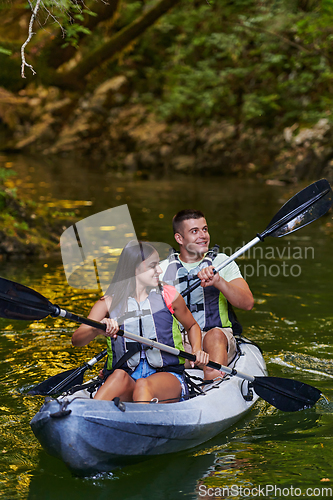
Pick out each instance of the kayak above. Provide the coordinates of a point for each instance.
(92, 436)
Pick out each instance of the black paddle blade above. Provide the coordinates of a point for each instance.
(66, 380)
(302, 209)
(20, 302)
(61, 382)
(286, 394)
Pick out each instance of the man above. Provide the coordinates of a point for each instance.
(209, 303)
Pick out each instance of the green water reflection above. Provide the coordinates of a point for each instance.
(292, 321)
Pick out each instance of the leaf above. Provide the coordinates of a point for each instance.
(5, 51)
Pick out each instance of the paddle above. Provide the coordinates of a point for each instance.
(285, 394)
(302, 209)
(20, 302)
(65, 380)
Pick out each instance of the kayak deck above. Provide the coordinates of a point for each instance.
(94, 436)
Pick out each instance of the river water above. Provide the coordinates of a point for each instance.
(269, 454)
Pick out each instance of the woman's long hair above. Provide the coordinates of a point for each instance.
(123, 282)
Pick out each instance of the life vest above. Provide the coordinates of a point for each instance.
(208, 305)
(153, 320)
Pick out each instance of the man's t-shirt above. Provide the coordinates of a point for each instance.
(229, 273)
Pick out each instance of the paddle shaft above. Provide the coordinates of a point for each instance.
(183, 354)
(284, 394)
(292, 215)
(88, 365)
(151, 343)
(55, 311)
(225, 263)
(293, 397)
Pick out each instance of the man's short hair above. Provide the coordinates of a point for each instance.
(185, 215)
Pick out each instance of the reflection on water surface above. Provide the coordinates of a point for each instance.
(291, 320)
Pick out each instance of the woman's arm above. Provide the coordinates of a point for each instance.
(85, 334)
(183, 314)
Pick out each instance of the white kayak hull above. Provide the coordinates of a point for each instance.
(94, 436)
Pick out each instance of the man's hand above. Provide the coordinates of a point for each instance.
(208, 278)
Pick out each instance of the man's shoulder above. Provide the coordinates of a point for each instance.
(220, 257)
(229, 272)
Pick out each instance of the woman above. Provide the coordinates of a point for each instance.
(145, 307)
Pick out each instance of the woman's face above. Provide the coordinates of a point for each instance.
(148, 271)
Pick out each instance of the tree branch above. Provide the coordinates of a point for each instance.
(75, 76)
(284, 39)
(54, 52)
(30, 35)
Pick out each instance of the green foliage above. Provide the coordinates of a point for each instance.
(5, 174)
(74, 15)
(9, 66)
(260, 64)
(266, 63)
(7, 52)
(28, 227)
(129, 11)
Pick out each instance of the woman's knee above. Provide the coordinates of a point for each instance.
(142, 384)
(142, 389)
(119, 375)
(119, 383)
(118, 378)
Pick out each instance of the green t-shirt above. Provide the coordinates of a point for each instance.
(229, 273)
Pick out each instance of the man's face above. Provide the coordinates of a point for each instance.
(194, 236)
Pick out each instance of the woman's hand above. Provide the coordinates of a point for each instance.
(112, 327)
(202, 359)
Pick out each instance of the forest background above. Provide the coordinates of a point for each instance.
(242, 87)
(153, 87)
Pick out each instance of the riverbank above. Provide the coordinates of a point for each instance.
(119, 134)
(27, 228)
(116, 135)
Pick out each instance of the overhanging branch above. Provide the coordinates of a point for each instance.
(118, 42)
(30, 35)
